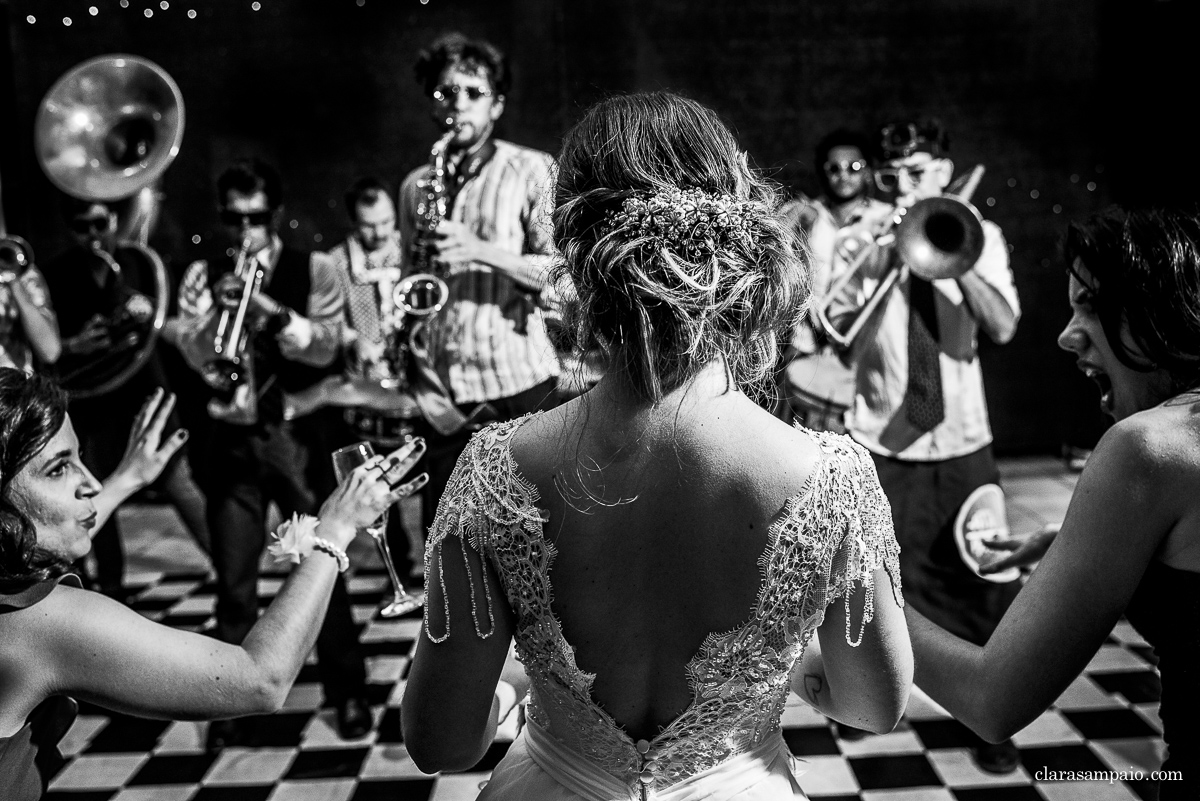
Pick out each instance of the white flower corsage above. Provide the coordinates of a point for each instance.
(294, 539)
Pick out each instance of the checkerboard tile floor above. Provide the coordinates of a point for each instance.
(1106, 720)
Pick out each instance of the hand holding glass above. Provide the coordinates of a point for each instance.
(344, 461)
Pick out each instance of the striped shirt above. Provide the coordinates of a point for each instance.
(490, 341)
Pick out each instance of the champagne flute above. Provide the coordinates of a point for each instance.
(344, 461)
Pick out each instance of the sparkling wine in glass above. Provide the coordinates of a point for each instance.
(344, 461)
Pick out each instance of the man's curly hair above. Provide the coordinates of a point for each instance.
(455, 49)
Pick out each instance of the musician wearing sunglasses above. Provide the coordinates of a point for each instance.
(488, 346)
(294, 316)
(816, 385)
(102, 311)
(919, 403)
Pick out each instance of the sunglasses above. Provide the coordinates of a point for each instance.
(888, 178)
(253, 219)
(446, 93)
(836, 168)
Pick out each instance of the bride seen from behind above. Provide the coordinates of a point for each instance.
(661, 548)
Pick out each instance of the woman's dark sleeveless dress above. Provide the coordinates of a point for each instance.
(1165, 610)
(30, 757)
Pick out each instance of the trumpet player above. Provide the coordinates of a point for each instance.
(919, 403)
(492, 245)
(294, 313)
(28, 327)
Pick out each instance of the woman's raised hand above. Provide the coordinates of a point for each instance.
(368, 491)
(146, 453)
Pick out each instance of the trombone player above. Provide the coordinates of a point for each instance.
(293, 305)
(919, 404)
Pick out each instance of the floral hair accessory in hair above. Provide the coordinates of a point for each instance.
(294, 539)
(690, 222)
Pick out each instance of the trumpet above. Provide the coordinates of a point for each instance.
(229, 365)
(938, 237)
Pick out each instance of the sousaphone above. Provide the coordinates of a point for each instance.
(106, 132)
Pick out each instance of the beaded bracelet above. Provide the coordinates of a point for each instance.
(322, 544)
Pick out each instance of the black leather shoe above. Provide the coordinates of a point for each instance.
(999, 758)
(228, 733)
(353, 718)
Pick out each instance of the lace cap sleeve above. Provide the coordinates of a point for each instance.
(483, 501)
(864, 540)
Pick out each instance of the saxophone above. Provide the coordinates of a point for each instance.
(432, 204)
(423, 292)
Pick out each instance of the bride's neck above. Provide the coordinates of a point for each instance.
(615, 400)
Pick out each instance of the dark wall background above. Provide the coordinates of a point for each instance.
(1070, 105)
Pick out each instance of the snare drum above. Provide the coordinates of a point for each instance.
(819, 389)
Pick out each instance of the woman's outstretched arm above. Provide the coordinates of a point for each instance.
(90, 647)
(1125, 503)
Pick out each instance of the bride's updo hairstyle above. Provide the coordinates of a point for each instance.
(32, 410)
(673, 246)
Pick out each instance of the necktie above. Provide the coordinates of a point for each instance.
(924, 398)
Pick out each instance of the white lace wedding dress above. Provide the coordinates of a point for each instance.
(727, 744)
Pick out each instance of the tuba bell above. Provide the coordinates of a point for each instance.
(105, 132)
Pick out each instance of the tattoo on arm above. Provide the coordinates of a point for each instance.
(814, 684)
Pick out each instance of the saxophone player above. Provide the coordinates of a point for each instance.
(294, 316)
(488, 346)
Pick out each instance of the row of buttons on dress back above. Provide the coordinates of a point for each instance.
(648, 766)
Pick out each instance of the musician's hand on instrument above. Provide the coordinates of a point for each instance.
(367, 352)
(94, 336)
(1026, 551)
(147, 453)
(458, 247)
(227, 292)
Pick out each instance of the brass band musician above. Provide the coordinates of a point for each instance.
(368, 263)
(99, 288)
(294, 311)
(817, 386)
(919, 404)
(488, 346)
(28, 327)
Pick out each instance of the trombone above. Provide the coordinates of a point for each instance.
(938, 237)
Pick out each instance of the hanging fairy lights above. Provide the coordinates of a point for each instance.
(148, 11)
